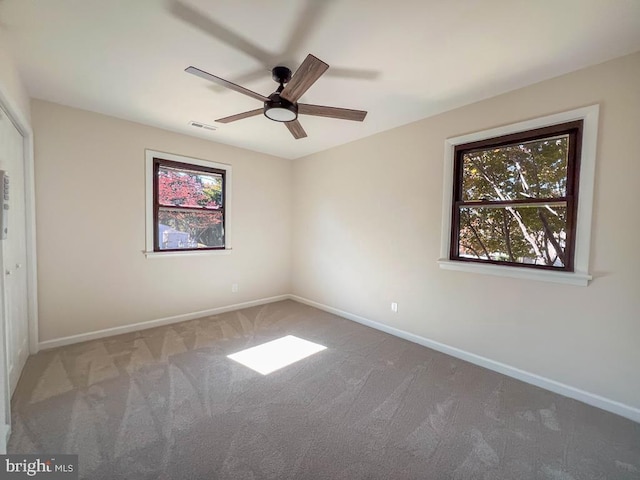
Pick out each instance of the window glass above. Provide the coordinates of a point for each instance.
(177, 187)
(532, 235)
(515, 199)
(531, 169)
(188, 207)
(183, 229)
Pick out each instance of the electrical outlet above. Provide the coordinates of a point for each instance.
(234, 288)
(394, 307)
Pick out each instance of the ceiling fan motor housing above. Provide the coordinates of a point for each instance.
(281, 74)
(279, 109)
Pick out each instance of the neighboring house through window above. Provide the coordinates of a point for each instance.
(187, 201)
(519, 198)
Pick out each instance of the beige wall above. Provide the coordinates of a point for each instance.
(11, 84)
(366, 232)
(90, 204)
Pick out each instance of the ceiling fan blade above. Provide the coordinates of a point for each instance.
(331, 112)
(296, 129)
(355, 73)
(251, 76)
(305, 25)
(240, 116)
(209, 26)
(311, 70)
(225, 83)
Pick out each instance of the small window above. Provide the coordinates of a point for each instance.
(515, 198)
(186, 204)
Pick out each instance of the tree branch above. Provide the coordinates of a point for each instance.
(475, 252)
(552, 239)
(507, 236)
(475, 234)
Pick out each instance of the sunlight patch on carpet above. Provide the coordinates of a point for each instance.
(273, 355)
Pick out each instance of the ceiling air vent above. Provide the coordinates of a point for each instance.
(202, 125)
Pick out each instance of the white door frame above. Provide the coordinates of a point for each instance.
(23, 126)
(30, 210)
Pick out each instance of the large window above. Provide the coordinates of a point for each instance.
(515, 198)
(186, 204)
(518, 199)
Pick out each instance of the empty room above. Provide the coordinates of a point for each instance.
(319, 239)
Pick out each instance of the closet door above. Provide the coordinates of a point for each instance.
(14, 251)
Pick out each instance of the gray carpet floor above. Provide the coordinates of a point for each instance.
(167, 403)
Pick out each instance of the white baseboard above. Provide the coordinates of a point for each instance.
(592, 399)
(134, 327)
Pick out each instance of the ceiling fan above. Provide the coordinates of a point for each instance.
(282, 105)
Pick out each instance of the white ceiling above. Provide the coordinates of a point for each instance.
(401, 60)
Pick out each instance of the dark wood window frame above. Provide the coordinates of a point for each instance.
(574, 130)
(157, 162)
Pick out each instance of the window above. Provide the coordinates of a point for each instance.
(511, 203)
(515, 198)
(187, 204)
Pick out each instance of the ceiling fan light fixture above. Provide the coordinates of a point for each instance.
(280, 110)
(280, 114)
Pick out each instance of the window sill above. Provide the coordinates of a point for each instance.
(567, 278)
(189, 253)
